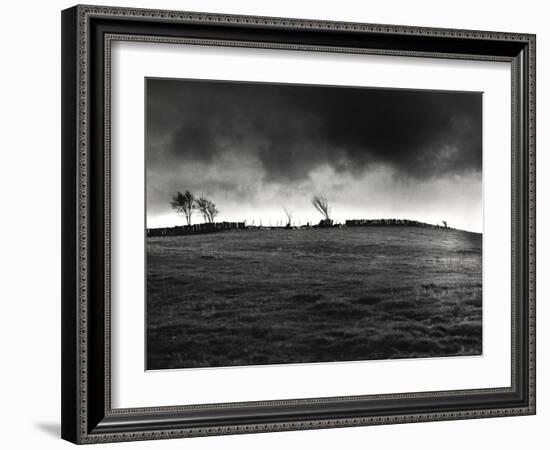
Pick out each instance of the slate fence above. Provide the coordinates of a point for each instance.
(203, 228)
(391, 222)
(199, 228)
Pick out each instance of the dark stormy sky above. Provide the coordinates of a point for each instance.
(253, 148)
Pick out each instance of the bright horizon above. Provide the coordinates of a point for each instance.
(254, 148)
(430, 202)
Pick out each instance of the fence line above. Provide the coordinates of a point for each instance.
(203, 228)
(199, 228)
(393, 222)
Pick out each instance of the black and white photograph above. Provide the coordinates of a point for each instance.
(279, 219)
(291, 223)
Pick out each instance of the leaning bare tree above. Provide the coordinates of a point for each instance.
(184, 204)
(207, 208)
(201, 205)
(288, 214)
(211, 210)
(321, 204)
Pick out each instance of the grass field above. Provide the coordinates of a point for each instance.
(295, 296)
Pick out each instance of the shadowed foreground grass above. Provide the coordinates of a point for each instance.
(297, 296)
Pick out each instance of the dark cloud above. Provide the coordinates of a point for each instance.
(292, 129)
(255, 146)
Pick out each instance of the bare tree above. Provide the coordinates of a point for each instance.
(207, 208)
(212, 211)
(201, 205)
(321, 204)
(445, 223)
(288, 214)
(184, 204)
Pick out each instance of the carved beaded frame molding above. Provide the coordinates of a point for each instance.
(87, 35)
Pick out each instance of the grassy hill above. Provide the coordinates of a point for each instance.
(312, 295)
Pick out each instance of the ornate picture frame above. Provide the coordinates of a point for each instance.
(88, 33)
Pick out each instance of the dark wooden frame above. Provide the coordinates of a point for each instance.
(87, 32)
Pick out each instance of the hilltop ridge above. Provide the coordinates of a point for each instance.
(201, 228)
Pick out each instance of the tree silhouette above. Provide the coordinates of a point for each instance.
(212, 211)
(201, 205)
(207, 208)
(321, 204)
(184, 204)
(288, 214)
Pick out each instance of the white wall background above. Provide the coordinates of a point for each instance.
(30, 223)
